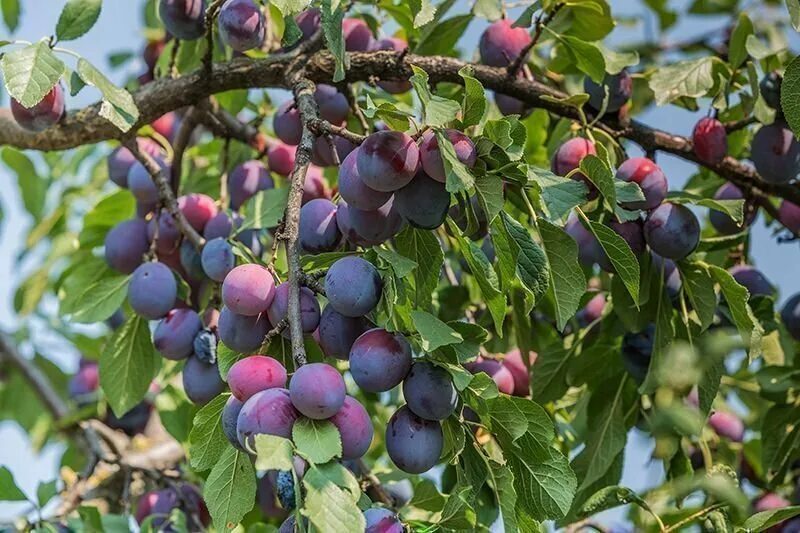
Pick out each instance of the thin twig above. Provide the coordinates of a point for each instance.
(182, 139)
(542, 20)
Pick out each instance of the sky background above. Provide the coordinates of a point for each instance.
(119, 28)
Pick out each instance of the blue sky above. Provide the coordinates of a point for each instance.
(119, 28)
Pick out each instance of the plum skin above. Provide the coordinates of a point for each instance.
(309, 308)
(353, 189)
(568, 157)
(253, 374)
(242, 333)
(198, 209)
(48, 112)
(387, 160)
(318, 229)
(357, 35)
(248, 289)
(722, 222)
(649, 177)
(672, 231)
(727, 425)
(423, 203)
(429, 391)
(413, 443)
(519, 371)
(152, 290)
(337, 332)
(217, 259)
(174, 335)
(620, 88)
(500, 44)
(286, 123)
(375, 226)
(246, 180)
(125, 245)
(241, 25)
(353, 286)
(637, 350)
(121, 159)
(398, 45)
(355, 427)
(201, 381)
(710, 141)
(230, 414)
(379, 360)
(776, 153)
(280, 157)
(499, 373)
(185, 19)
(752, 279)
(267, 412)
(317, 390)
(431, 157)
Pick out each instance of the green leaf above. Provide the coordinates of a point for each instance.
(551, 372)
(31, 72)
(424, 11)
(617, 61)
(93, 292)
(45, 492)
(317, 441)
(436, 110)
(691, 78)
(737, 53)
(274, 453)
(290, 7)
(790, 95)
(127, 365)
(207, 440)
(77, 18)
(117, 106)
(699, 287)
(401, 265)
(9, 492)
(11, 12)
(474, 104)
(793, 6)
(265, 209)
(559, 195)
(32, 186)
(230, 489)
(732, 208)
(331, 496)
(502, 481)
(433, 332)
(526, 257)
(736, 297)
(598, 172)
(610, 497)
(106, 213)
(782, 424)
(619, 252)
(665, 332)
(587, 56)
(91, 520)
(334, 38)
(756, 48)
(566, 277)
(422, 247)
(509, 134)
(489, 189)
(766, 519)
(443, 36)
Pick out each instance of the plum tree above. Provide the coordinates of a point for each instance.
(380, 520)
(379, 360)
(317, 390)
(752, 279)
(633, 234)
(413, 443)
(246, 180)
(201, 380)
(152, 290)
(722, 222)
(649, 177)
(353, 286)
(217, 259)
(253, 374)
(589, 250)
(355, 428)
(398, 45)
(318, 229)
(568, 157)
(309, 308)
(125, 245)
(637, 350)
(44, 114)
(431, 157)
(387, 160)
(614, 92)
(357, 35)
(710, 140)
(269, 412)
(174, 335)
(423, 203)
(429, 392)
(672, 231)
(248, 289)
(727, 425)
(501, 43)
(185, 19)
(337, 332)
(241, 25)
(354, 191)
(776, 153)
(240, 332)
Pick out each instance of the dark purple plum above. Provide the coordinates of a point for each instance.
(133, 422)
(44, 114)
(508, 105)
(152, 290)
(309, 22)
(413, 443)
(309, 308)
(776, 153)
(230, 414)
(727, 425)
(357, 35)
(401, 492)
(790, 314)
(286, 123)
(637, 350)
(376, 226)
(380, 360)
(617, 88)
(770, 89)
(333, 105)
(431, 158)
(191, 262)
(753, 280)
(789, 215)
(723, 223)
(346, 227)
(500, 374)
(568, 157)
(395, 44)
(649, 177)
(387, 160)
(315, 185)
(246, 180)
(253, 374)
(221, 225)
(337, 332)
(269, 412)
(589, 249)
(185, 19)
(241, 25)
(280, 157)
(423, 203)
(125, 245)
(710, 141)
(121, 159)
(519, 372)
(355, 428)
(672, 231)
(500, 43)
(141, 183)
(380, 520)
(353, 286)
(217, 259)
(248, 289)
(242, 333)
(198, 209)
(174, 335)
(317, 390)
(672, 276)
(165, 231)
(429, 391)
(201, 381)
(354, 191)
(318, 229)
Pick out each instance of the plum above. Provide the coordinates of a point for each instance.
(378, 225)
(242, 333)
(429, 392)
(221, 225)
(592, 311)
(710, 141)
(500, 374)
(387, 160)
(355, 428)
(424, 202)
(317, 390)
(727, 425)
(649, 177)
(357, 35)
(248, 289)
(322, 151)
(287, 124)
(589, 249)
(333, 105)
(44, 114)
(230, 414)
(121, 159)
(152, 290)
(431, 157)
(201, 381)
(353, 286)
(753, 280)
(198, 209)
(309, 22)
(380, 360)
(185, 19)
(355, 192)
(672, 231)
(395, 44)
(615, 90)
(770, 89)
(519, 372)
(246, 180)
(318, 229)
(500, 43)
(241, 25)
(413, 443)
(141, 184)
(631, 232)
(133, 422)
(789, 216)
(309, 308)
(337, 332)
(84, 384)
(125, 245)
(508, 105)
(253, 374)
(217, 259)
(315, 185)
(776, 153)
(191, 262)
(280, 157)
(723, 223)
(164, 230)
(568, 157)
(167, 125)
(269, 412)
(174, 335)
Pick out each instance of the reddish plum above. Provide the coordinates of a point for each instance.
(44, 114)
(649, 177)
(710, 141)
(253, 374)
(387, 160)
(248, 289)
(355, 428)
(317, 390)
(431, 157)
